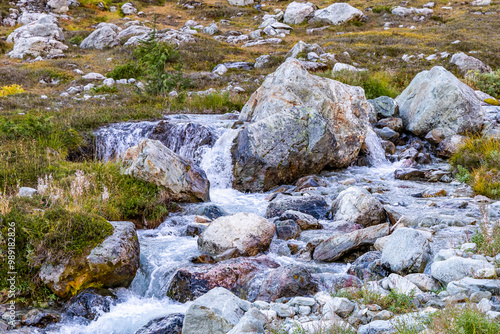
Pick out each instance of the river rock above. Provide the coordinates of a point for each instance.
(424, 282)
(393, 123)
(336, 14)
(368, 267)
(385, 106)
(437, 99)
(89, 303)
(406, 251)
(469, 285)
(337, 246)
(357, 205)
(105, 36)
(450, 145)
(170, 324)
(341, 306)
(111, 264)
(216, 312)
(287, 281)
(287, 229)
(467, 63)
(247, 232)
(400, 284)
(235, 275)
(252, 322)
(314, 206)
(298, 12)
(185, 139)
(291, 134)
(305, 221)
(152, 162)
(39, 318)
(456, 268)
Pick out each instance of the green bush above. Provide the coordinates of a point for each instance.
(127, 71)
(76, 40)
(104, 89)
(214, 102)
(466, 320)
(382, 9)
(488, 83)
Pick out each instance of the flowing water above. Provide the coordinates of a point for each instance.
(167, 248)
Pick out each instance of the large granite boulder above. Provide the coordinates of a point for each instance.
(213, 313)
(236, 275)
(152, 162)
(337, 13)
(357, 205)
(247, 233)
(437, 99)
(298, 125)
(298, 12)
(105, 36)
(339, 245)
(406, 251)
(111, 264)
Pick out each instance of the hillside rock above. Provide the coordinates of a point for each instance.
(134, 30)
(298, 12)
(246, 232)
(406, 251)
(437, 99)
(152, 162)
(128, 9)
(302, 48)
(240, 2)
(357, 205)
(467, 63)
(336, 14)
(105, 36)
(58, 6)
(111, 264)
(299, 124)
(337, 246)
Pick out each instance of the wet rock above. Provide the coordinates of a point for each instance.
(152, 162)
(368, 267)
(40, 318)
(437, 99)
(310, 181)
(336, 14)
(315, 206)
(298, 12)
(170, 324)
(287, 229)
(247, 232)
(393, 123)
(216, 312)
(456, 268)
(210, 211)
(450, 145)
(89, 303)
(385, 106)
(339, 245)
(111, 264)
(291, 135)
(287, 281)
(357, 205)
(106, 35)
(305, 221)
(436, 136)
(185, 139)
(467, 63)
(406, 251)
(387, 133)
(235, 275)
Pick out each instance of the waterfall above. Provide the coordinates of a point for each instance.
(113, 140)
(217, 162)
(376, 153)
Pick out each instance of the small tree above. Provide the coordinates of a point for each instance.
(154, 56)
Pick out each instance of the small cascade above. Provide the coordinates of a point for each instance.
(113, 140)
(217, 162)
(376, 153)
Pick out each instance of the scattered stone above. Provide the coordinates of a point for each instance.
(336, 14)
(456, 268)
(467, 63)
(406, 251)
(298, 12)
(357, 205)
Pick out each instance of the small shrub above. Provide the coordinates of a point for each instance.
(127, 71)
(488, 83)
(214, 102)
(76, 40)
(382, 9)
(105, 89)
(395, 302)
(11, 90)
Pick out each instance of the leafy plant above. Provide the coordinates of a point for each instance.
(488, 83)
(467, 320)
(11, 90)
(127, 71)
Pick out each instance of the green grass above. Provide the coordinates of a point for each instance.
(394, 301)
(487, 241)
(488, 83)
(478, 163)
(463, 320)
(214, 102)
(375, 84)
